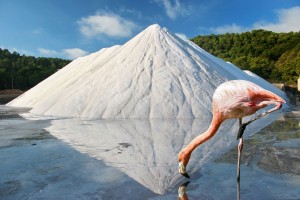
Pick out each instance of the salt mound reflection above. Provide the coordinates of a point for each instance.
(146, 150)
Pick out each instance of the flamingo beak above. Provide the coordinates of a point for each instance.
(182, 170)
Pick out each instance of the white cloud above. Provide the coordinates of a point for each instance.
(47, 52)
(173, 11)
(233, 28)
(182, 36)
(288, 20)
(107, 24)
(74, 53)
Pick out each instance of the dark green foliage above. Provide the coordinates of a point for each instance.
(24, 72)
(273, 56)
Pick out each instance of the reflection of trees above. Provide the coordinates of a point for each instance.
(146, 150)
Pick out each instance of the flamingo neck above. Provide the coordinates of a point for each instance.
(210, 132)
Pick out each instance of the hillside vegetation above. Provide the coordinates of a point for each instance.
(23, 72)
(273, 56)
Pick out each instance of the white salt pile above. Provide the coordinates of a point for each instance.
(154, 75)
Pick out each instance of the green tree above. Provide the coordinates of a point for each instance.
(258, 51)
(24, 72)
(288, 65)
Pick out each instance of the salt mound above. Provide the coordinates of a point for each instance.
(154, 75)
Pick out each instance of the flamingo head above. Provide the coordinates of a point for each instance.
(182, 170)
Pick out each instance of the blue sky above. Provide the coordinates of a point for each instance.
(73, 28)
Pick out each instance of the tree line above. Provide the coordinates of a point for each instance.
(23, 72)
(273, 56)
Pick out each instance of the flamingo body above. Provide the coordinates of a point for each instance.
(232, 99)
(240, 98)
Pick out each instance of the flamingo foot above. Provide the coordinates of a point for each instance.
(182, 170)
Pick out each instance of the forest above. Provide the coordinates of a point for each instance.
(23, 72)
(273, 56)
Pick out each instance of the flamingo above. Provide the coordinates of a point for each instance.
(232, 99)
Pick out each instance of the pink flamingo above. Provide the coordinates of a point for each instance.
(232, 99)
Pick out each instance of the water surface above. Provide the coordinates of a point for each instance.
(137, 159)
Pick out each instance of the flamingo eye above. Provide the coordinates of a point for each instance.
(251, 104)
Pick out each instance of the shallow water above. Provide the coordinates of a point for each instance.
(136, 159)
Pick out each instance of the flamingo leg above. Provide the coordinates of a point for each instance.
(243, 125)
(238, 188)
(241, 131)
(240, 149)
